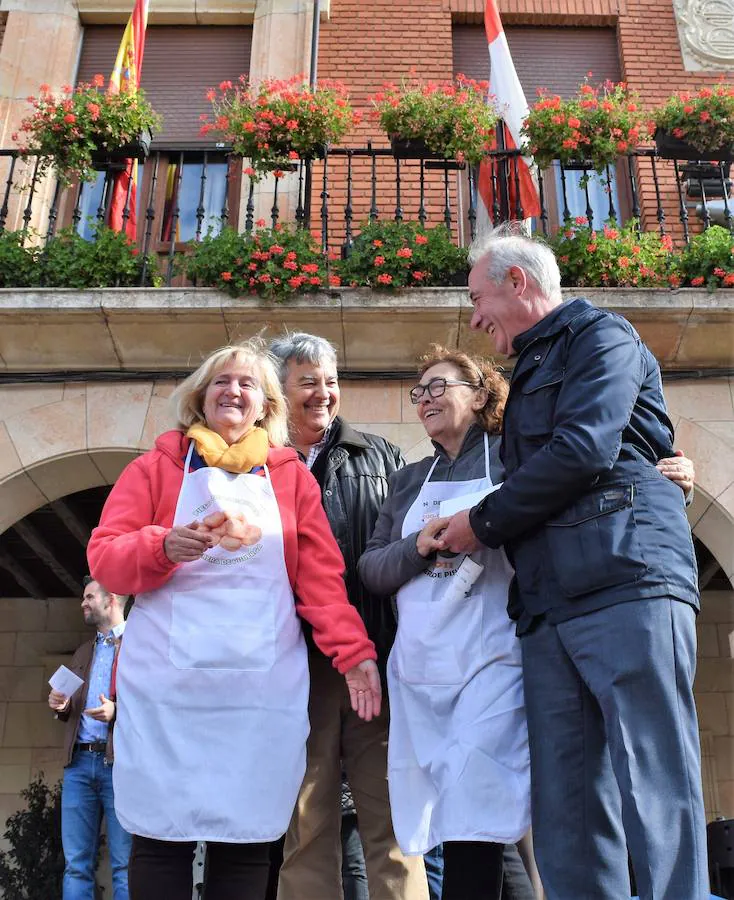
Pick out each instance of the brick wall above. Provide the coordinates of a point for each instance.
(367, 44)
(652, 64)
(364, 45)
(540, 12)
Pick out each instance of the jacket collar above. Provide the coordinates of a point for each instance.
(555, 321)
(343, 433)
(115, 634)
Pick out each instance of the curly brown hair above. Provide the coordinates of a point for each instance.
(479, 371)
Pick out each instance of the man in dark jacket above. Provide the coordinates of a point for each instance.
(89, 715)
(606, 588)
(352, 469)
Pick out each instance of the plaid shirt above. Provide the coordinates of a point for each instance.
(317, 448)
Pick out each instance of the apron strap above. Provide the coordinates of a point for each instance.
(486, 464)
(187, 464)
(189, 454)
(430, 472)
(486, 459)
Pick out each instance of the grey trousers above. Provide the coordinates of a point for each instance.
(614, 753)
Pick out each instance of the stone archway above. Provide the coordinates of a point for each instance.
(703, 415)
(56, 439)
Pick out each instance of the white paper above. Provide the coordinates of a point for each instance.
(462, 581)
(457, 504)
(65, 681)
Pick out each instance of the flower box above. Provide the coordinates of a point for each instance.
(411, 148)
(68, 133)
(448, 121)
(578, 165)
(317, 151)
(670, 147)
(277, 123)
(589, 131)
(138, 149)
(416, 148)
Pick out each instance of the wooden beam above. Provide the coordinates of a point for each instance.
(76, 526)
(40, 547)
(24, 578)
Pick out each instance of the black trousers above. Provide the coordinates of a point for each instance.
(162, 870)
(472, 870)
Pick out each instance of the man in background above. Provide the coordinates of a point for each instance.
(86, 794)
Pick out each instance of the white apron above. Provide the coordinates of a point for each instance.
(458, 764)
(212, 684)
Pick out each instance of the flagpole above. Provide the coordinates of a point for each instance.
(312, 76)
(315, 43)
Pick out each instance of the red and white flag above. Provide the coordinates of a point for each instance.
(505, 86)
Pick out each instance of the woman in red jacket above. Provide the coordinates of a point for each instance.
(220, 532)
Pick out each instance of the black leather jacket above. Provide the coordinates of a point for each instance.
(352, 472)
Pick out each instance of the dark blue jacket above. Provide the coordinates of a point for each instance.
(585, 516)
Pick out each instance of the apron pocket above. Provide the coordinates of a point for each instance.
(223, 630)
(439, 641)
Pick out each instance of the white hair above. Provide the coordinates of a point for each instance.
(507, 246)
(303, 348)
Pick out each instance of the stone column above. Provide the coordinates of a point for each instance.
(40, 46)
(281, 48)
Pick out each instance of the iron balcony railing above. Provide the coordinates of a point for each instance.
(183, 194)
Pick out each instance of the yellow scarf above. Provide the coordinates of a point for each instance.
(251, 450)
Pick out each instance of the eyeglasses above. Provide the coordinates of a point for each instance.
(436, 387)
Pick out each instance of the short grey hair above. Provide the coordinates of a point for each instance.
(303, 348)
(507, 246)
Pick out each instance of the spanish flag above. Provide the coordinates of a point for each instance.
(126, 77)
(505, 86)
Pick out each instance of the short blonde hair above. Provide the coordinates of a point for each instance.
(479, 372)
(187, 401)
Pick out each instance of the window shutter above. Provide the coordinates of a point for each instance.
(179, 65)
(550, 57)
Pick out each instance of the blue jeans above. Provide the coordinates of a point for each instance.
(86, 795)
(434, 871)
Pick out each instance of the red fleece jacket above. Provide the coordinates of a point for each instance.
(126, 552)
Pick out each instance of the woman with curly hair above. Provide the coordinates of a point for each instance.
(458, 765)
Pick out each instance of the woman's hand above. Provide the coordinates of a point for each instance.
(679, 469)
(105, 712)
(427, 543)
(184, 543)
(365, 691)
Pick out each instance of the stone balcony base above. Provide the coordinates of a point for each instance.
(169, 329)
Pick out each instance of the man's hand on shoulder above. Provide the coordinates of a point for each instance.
(680, 469)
